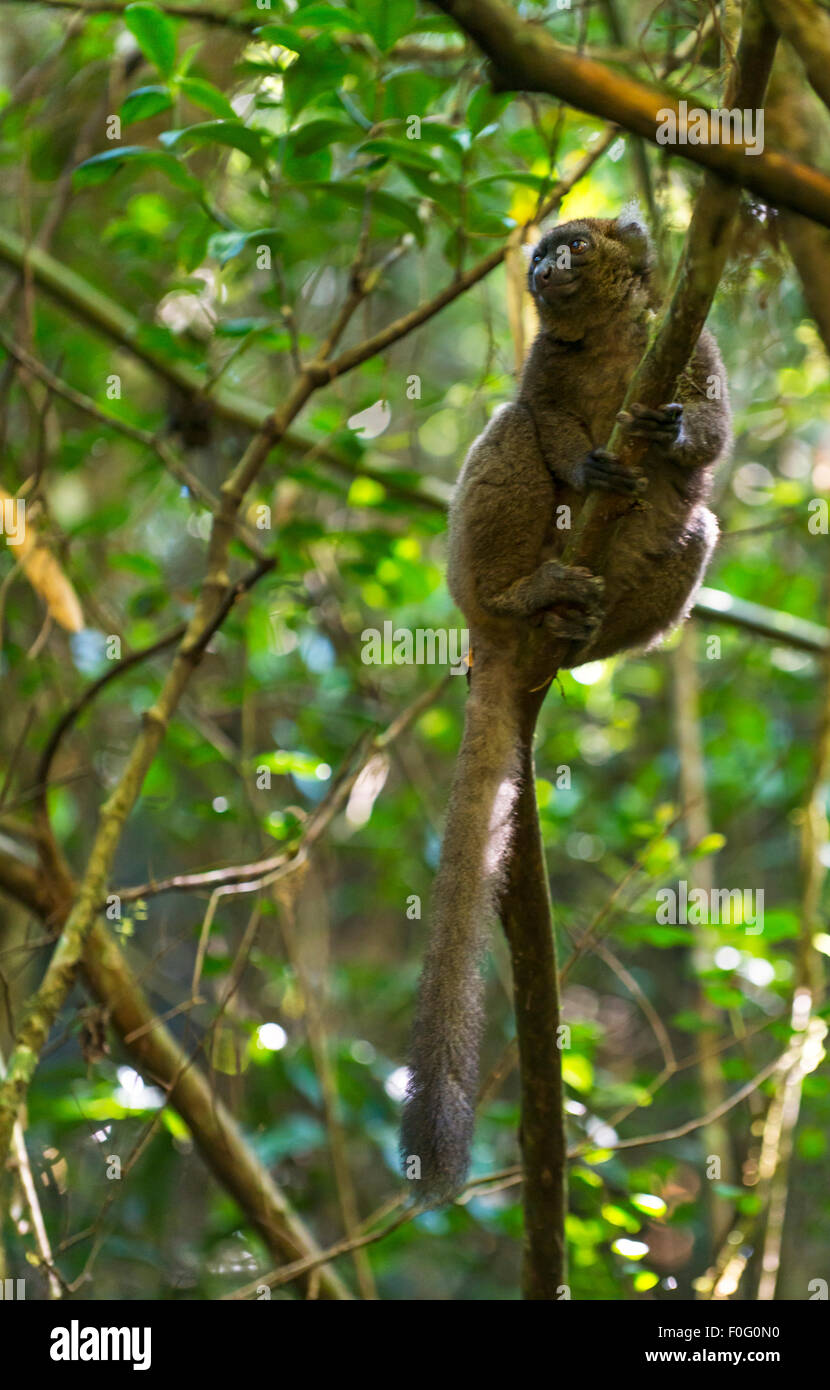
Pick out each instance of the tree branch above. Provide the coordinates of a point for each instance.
(806, 26)
(782, 628)
(526, 58)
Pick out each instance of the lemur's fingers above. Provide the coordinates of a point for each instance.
(605, 471)
(662, 413)
(648, 423)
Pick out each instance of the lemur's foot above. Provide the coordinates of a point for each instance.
(605, 471)
(571, 624)
(573, 584)
(578, 608)
(661, 426)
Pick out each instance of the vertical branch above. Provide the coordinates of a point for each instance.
(686, 689)
(526, 918)
(28, 1187)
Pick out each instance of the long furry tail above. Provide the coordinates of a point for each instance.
(437, 1127)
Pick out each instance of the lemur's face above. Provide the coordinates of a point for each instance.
(583, 271)
(559, 262)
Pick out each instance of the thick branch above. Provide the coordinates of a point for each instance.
(798, 122)
(782, 628)
(526, 58)
(526, 918)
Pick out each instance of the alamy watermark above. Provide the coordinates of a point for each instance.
(697, 126)
(420, 646)
(718, 906)
(13, 519)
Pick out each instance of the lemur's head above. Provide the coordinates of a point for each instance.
(581, 273)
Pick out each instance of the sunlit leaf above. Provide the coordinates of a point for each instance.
(155, 34)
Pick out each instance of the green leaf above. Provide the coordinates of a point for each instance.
(447, 196)
(286, 760)
(317, 134)
(710, 844)
(386, 204)
(658, 935)
(387, 20)
(485, 108)
(281, 34)
(318, 71)
(102, 166)
(402, 152)
(327, 17)
(204, 94)
(812, 1143)
(232, 133)
(225, 245)
(535, 181)
(193, 239)
(154, 33)
(134, 563)
(577, 1071)
(723, 997)
(145, 102)
(365, 492)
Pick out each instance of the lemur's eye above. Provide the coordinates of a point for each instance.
(537, 256)
(578, 243)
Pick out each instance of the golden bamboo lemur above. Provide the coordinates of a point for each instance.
(591, 280)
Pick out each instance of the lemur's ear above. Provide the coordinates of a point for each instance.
(631, 230)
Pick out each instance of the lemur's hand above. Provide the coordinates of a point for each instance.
(663, 426)
(602, 470)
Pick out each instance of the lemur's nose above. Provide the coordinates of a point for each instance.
(544, 272)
